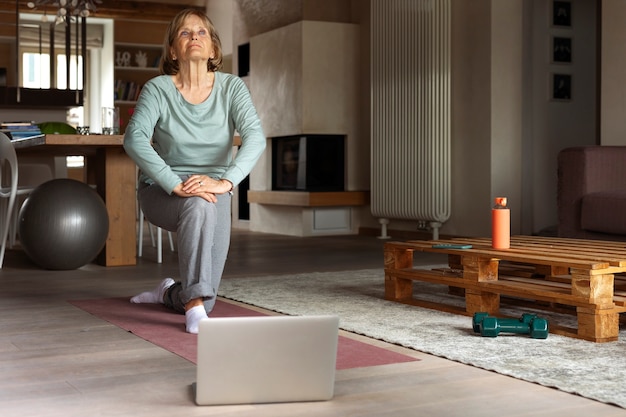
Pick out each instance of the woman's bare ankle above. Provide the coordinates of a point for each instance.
(194, 303)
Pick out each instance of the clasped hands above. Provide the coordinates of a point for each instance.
(203, 186)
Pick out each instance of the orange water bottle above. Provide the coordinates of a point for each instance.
(500, 225)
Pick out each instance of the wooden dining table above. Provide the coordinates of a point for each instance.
(113, 172)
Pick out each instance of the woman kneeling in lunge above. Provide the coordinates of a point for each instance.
(181, 138)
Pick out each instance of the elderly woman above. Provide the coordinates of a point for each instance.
(180, 136)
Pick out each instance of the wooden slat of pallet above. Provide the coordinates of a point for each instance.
(619, 300)
(511, 287)
(593, 247)
(616, 256)
(432, 276)
(619, 296)
(565, 280)
(598, 245)
(528, 288)
(613, 252)
(582, 258)
(619, 283)
(518, 287)
(567, 254)
(525, 257)
(546, 283)
(529, 271)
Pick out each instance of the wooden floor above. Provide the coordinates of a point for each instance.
(56, 360)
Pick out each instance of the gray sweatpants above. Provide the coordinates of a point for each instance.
(203, 239)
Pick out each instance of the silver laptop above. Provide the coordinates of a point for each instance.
(263, 359)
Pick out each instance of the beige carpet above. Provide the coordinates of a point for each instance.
(592, 370)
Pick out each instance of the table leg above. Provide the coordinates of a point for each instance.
(477, 270)
(599, 323)
(397, 289)
(115, 178)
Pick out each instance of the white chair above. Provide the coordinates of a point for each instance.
(33, 171)
(9, 192)
(159, 237)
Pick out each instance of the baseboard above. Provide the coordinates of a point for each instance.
(401, 234)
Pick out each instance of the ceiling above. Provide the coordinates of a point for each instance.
(145, 9)
(260, 16)
(198, 3)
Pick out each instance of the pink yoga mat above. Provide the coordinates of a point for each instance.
(164, 328)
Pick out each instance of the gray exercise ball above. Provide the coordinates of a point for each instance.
(63, 224)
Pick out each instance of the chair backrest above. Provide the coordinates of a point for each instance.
(8, 165)
(35, 171)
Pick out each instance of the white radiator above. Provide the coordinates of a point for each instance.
(410, 70)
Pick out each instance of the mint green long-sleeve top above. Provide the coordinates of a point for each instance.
(168, 137)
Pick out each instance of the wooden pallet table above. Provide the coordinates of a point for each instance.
(579, 274)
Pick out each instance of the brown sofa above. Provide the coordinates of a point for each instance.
(591, 194)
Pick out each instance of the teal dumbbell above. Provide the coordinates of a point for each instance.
(478, 318)
(488, 326)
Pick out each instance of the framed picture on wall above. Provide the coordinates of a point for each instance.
(561, 87)
(561, 13)
(561, 50)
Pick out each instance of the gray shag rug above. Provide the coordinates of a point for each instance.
(592, 370)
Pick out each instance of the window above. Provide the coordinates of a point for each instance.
(36, 71)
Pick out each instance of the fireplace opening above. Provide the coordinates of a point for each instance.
(308, 163)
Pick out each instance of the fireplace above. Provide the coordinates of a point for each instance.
(308, 163)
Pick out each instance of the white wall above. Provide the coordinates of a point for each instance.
(487, 85)
(506, 129)
(550, 125)
(506, 110)
(101, 76)
(221, 14)
(613, 102)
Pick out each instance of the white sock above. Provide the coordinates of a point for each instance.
(193, 316)
(156, 295)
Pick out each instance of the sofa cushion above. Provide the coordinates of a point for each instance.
(604, 212)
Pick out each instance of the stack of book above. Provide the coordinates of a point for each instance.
(20, 130)
(127, 90)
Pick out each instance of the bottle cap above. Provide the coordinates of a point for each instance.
(500, 201)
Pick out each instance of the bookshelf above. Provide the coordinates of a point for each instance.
(134, 65)
(138, 47)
